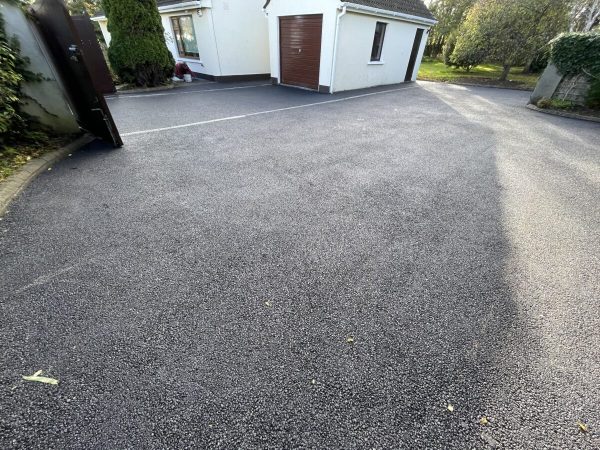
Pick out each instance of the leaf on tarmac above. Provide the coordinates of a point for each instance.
(313, 381)
(450, 407)
(483, 421)
(582, 426)
(40, 379)
(268, 303)
(350, 339)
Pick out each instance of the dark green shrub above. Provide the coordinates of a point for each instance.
(137, 53)
(593, 98)
(579, 54)
(576, 53)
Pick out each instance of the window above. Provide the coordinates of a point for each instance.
(378, 41)
(183, 29)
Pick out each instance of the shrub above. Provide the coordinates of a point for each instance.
(577, 54)
(593, 98)
(137, 53)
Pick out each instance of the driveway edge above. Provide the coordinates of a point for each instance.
(16, 183)
(564, 114)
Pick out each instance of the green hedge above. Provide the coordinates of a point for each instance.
(137, 52)
(576, 53)
(10, 85)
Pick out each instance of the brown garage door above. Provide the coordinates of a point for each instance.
(300, 50)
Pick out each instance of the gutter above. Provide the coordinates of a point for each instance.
(169, 8)
(387, 13)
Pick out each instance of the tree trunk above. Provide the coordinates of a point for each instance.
(505, 72)
(527, 68)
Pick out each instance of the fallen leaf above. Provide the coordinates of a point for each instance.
(28, 158)
(350, 339)
(582, 426)
(313, 381)
(450, 407)
(37, 377)
(268, 303)
(49, 168)
(483, 421)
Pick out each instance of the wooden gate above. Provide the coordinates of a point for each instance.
(62, 40)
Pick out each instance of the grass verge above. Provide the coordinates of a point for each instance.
(484, 74)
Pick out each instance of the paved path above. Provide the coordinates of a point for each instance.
(198, 287)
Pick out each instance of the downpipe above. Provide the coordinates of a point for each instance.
(335, 47)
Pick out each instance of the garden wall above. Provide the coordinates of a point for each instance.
(47, 100)
(573, 88)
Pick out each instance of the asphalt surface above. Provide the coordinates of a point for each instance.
(197, 288)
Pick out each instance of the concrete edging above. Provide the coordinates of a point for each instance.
(16, 183)
(568, 115)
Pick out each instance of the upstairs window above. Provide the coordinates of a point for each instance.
(378, 41)
(185, 36)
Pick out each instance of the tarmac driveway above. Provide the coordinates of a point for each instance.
(255, 270)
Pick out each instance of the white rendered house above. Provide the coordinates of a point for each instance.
(332, 45)
(222, 40)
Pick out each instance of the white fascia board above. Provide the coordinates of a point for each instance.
(185, 5)
(386, 13)
(174, 7)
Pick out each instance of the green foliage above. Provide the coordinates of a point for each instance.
(14, 124)
(508, 32)
(555, 103)
(137, 53)
(593, 98)
(579, 54)
(450, 14)
(90, 7)
(576, 53)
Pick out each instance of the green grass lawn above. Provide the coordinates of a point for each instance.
(488, 74)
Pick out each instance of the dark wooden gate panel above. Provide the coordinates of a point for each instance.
(300, 50)
(413, 55)
(92, 53)
(61, 37)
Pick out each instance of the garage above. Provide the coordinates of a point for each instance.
(333, 46)
(300, 50)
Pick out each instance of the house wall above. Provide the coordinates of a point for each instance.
(232, 36)
(328, 8)
(354, 70)
(47, 99)
(242, 36)
(208, 63)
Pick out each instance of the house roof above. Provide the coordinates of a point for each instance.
(411, 7)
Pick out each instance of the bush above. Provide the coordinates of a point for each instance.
(576, 53)
(137, 53)
(593, 98)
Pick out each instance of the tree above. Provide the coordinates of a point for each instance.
(585, 15)
(137, 53)
(449, 14)
(90, 7)
(508, 32)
